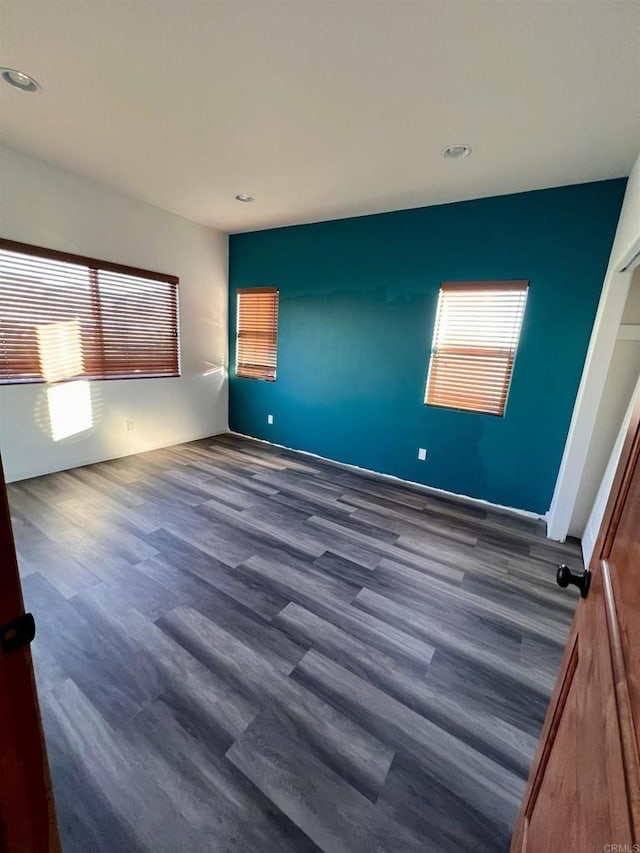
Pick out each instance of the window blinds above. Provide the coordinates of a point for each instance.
(257, 333)
(474, 345)
(64, 316)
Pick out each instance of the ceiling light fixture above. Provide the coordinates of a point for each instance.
(456, 152)
(244, 197)
(19, 80)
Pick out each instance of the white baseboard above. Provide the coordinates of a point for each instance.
(523, 513)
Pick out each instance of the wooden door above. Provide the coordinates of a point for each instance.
(27, 818)
(584, 789)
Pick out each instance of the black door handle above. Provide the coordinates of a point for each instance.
(14, 635)
(582, 580)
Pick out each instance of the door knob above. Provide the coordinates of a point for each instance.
(582, 580)
(14, 635)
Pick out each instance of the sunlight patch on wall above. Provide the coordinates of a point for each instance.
(70, 410)
(69, 404)
(216, 369)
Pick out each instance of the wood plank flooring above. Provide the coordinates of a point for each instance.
(241, 648)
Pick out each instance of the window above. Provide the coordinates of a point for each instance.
(257, 333)
(474, 345)
(68, 317)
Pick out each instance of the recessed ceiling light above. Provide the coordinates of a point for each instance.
(19, 80)
(244, 197)
(456, 152)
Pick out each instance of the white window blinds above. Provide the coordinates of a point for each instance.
(474, 345)
(64, 316)
(257, 333)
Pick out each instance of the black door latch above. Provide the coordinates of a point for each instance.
(14, 635)
(582, 580)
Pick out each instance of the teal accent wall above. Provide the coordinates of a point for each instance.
(357, 307)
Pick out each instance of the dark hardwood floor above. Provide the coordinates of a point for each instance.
(244, 649)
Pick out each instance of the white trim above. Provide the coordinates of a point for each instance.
(585, 411)
(596, 515)
(631, 259)
(429, 489)
(587, 544)
(629, 332)
(626, 246)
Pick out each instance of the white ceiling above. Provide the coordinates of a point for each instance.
(323, 108)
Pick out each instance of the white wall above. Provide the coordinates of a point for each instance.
(597, 364)
(597, 512)
(47, 206)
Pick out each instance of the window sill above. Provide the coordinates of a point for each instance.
(40, 381)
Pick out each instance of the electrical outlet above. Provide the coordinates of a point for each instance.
(130, 426)
(422, 453)
(269, 419)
